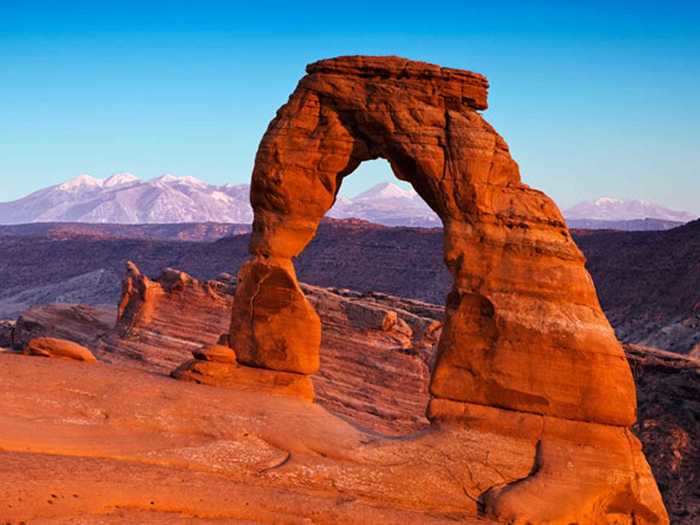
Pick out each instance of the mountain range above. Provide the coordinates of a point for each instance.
(126, 199)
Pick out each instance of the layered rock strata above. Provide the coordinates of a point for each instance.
(376, 356)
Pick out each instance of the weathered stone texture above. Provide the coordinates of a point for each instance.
(524, 331)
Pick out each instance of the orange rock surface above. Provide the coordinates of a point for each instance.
(531, 398)
(85, 430)
(52, 347)
(110, 444)
(524, 330)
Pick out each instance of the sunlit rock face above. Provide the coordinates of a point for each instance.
(524, 334)
(524, 329)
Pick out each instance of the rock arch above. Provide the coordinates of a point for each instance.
(524, 329)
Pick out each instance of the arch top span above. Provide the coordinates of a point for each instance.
(523, 327)
(457, 84)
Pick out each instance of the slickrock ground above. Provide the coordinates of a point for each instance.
(92, 440)
(378, 384)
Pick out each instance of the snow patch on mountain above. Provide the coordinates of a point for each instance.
(614, 209)
(123, 198)
(80, 182)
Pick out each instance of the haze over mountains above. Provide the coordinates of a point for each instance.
(125, 199)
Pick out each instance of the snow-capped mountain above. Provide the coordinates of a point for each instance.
(610, 209)
(125, 199)
(387, 204)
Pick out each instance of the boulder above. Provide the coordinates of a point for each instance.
(216, 353)
(61, 348)
(283, 331)
(231, 375)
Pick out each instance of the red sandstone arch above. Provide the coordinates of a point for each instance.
(524, 330)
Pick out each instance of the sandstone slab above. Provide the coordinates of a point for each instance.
(51, 347)
(229, 375)
(216, 353)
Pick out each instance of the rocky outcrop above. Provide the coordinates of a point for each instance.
(155, 318)
(668, 388)
(61, 348)
(74, 322)
(521, 294)
(523, 332)
(376, 350)
(376, 355)
(233, 375)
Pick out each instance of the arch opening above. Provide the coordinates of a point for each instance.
(373, 192)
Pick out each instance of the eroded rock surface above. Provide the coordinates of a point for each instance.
(376, 356)
(155, 318)
(75, 322)
(521, 295)
(59, 348)
(523, 330)
(669, 426)
(375, 360)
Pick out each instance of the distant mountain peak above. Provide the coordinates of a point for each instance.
(174, 179)
(386, 190)
(81, 181)
(614, 209)
(120, 179)
(602, 201)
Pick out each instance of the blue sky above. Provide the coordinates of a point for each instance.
(599, 98)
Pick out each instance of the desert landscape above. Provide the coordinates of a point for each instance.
(257, 399)
(322, 263)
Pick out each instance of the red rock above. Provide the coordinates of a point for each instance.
(51, 347)
(216, 353)
(282, 332)
(371, 378)
(523, 331)
(230, 375)
(521, 296)
(162, 321)
(74, 322)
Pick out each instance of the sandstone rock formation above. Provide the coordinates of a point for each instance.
(75, 322)
(524, 331)
(216, 353)
(51, 347)
(668, 388)
(157, 314)
(367, 340)
(376, 356)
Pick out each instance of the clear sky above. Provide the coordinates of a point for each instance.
(594, 98)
